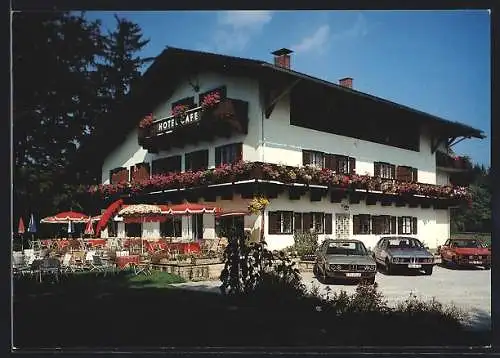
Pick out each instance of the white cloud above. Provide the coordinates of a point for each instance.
(314, 42)
(248, 20)
(322, 37)
(235, 29)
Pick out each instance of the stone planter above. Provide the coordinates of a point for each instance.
(206, 261)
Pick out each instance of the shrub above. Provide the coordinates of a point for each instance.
(305, 243)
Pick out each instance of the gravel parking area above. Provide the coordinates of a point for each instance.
(469, 289)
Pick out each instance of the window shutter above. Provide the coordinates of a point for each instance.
(376, 227)
(393, 225)
(297, 222)
(204, 159)
(330, 161)
(414, 225)
(239, 151)
(328, 224)
(188, 161)
(400, 173)
(352, 165)
(218, 156)
(306, 157)
(273, 222)
(306, 222)
(376, 169)
(355, 224)
(393, 171)
(414, 174)
(400, 225)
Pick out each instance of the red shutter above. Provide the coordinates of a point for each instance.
(376, 169)
(218, 156)
(414, 225)
(393, 225)
(330, 161)
(306, 222)
(352, 165)
(328, 224)
(239, 151)
(273, 222)
(400, 225)
(306, 157)
(297, 222)
(356, 224)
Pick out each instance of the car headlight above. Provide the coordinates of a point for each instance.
(395, 259)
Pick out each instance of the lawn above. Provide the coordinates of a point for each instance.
(128, 311)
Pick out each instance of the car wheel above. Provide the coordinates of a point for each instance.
(487, 267)
(389, 269)
(428, 270)
(315, 271)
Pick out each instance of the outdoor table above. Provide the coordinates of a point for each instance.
(123, 261)
(46, 266)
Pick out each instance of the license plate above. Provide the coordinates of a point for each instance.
(353, 274)
(475, 262)
(414, 266)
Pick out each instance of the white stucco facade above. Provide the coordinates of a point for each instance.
(275, 140)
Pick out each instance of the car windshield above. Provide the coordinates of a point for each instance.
(346, 248)
(404, 243)
(465, 244)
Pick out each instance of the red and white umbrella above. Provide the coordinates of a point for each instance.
(65, 218)
(20, 227)
(89, 228)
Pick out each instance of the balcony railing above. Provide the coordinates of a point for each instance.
(228, 117)
(449, 163)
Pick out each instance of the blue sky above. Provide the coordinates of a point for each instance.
(434, 61)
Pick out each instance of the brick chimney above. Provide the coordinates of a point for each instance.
(346, 82)
(282, 57)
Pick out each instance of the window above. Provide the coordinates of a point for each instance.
(385, 170)
(383, 224)
(229, 226)
(280, 222)
(172, 227)
(361, 224)
(328, 224)
(228, 154)
(166, 165)
(196, 160)
(318, 221)
(133, 229)
(314, 158)
(341, 247)
(407, 174)
(407, 225)
(118, 175)
(197, 226)
(140, 171)
(112, 228)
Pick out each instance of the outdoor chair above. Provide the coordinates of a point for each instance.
(66, 264)
(99, 265)
(144, 267)
(51, 267)
(19, 265)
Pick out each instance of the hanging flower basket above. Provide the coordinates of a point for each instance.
(146, 122)
(258, 204)
(179, 111)
(211, 100)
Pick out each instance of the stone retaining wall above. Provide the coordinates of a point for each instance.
(204, 272)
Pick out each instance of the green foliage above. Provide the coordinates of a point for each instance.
(475, 217)
(305, 243)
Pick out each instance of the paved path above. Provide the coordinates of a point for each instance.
(467, 289)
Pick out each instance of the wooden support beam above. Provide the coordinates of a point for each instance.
(282, 93)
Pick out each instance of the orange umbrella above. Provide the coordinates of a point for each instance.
(20, 228)
(89, 228)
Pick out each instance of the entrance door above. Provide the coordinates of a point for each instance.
(342, 226)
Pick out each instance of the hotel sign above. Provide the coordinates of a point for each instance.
(171, 123)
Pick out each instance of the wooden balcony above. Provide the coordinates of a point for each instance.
(450, 164)
(227, 118)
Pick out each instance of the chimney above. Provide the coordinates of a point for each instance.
(346, 82)
(282, 57)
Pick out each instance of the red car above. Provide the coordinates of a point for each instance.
(465, 252)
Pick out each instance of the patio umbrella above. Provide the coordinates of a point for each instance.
(20, 231)
(32, 226)
(141, 213)
(66, 217)
(89, 228)
(70, 228)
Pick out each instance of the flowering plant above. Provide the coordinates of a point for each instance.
(146, 121)
(179, 111)
(210, 100)
(258, 204)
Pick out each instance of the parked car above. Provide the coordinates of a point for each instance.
(465, 252)
(404, 253)
(344, 259)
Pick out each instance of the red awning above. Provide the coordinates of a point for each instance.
(193, 208)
